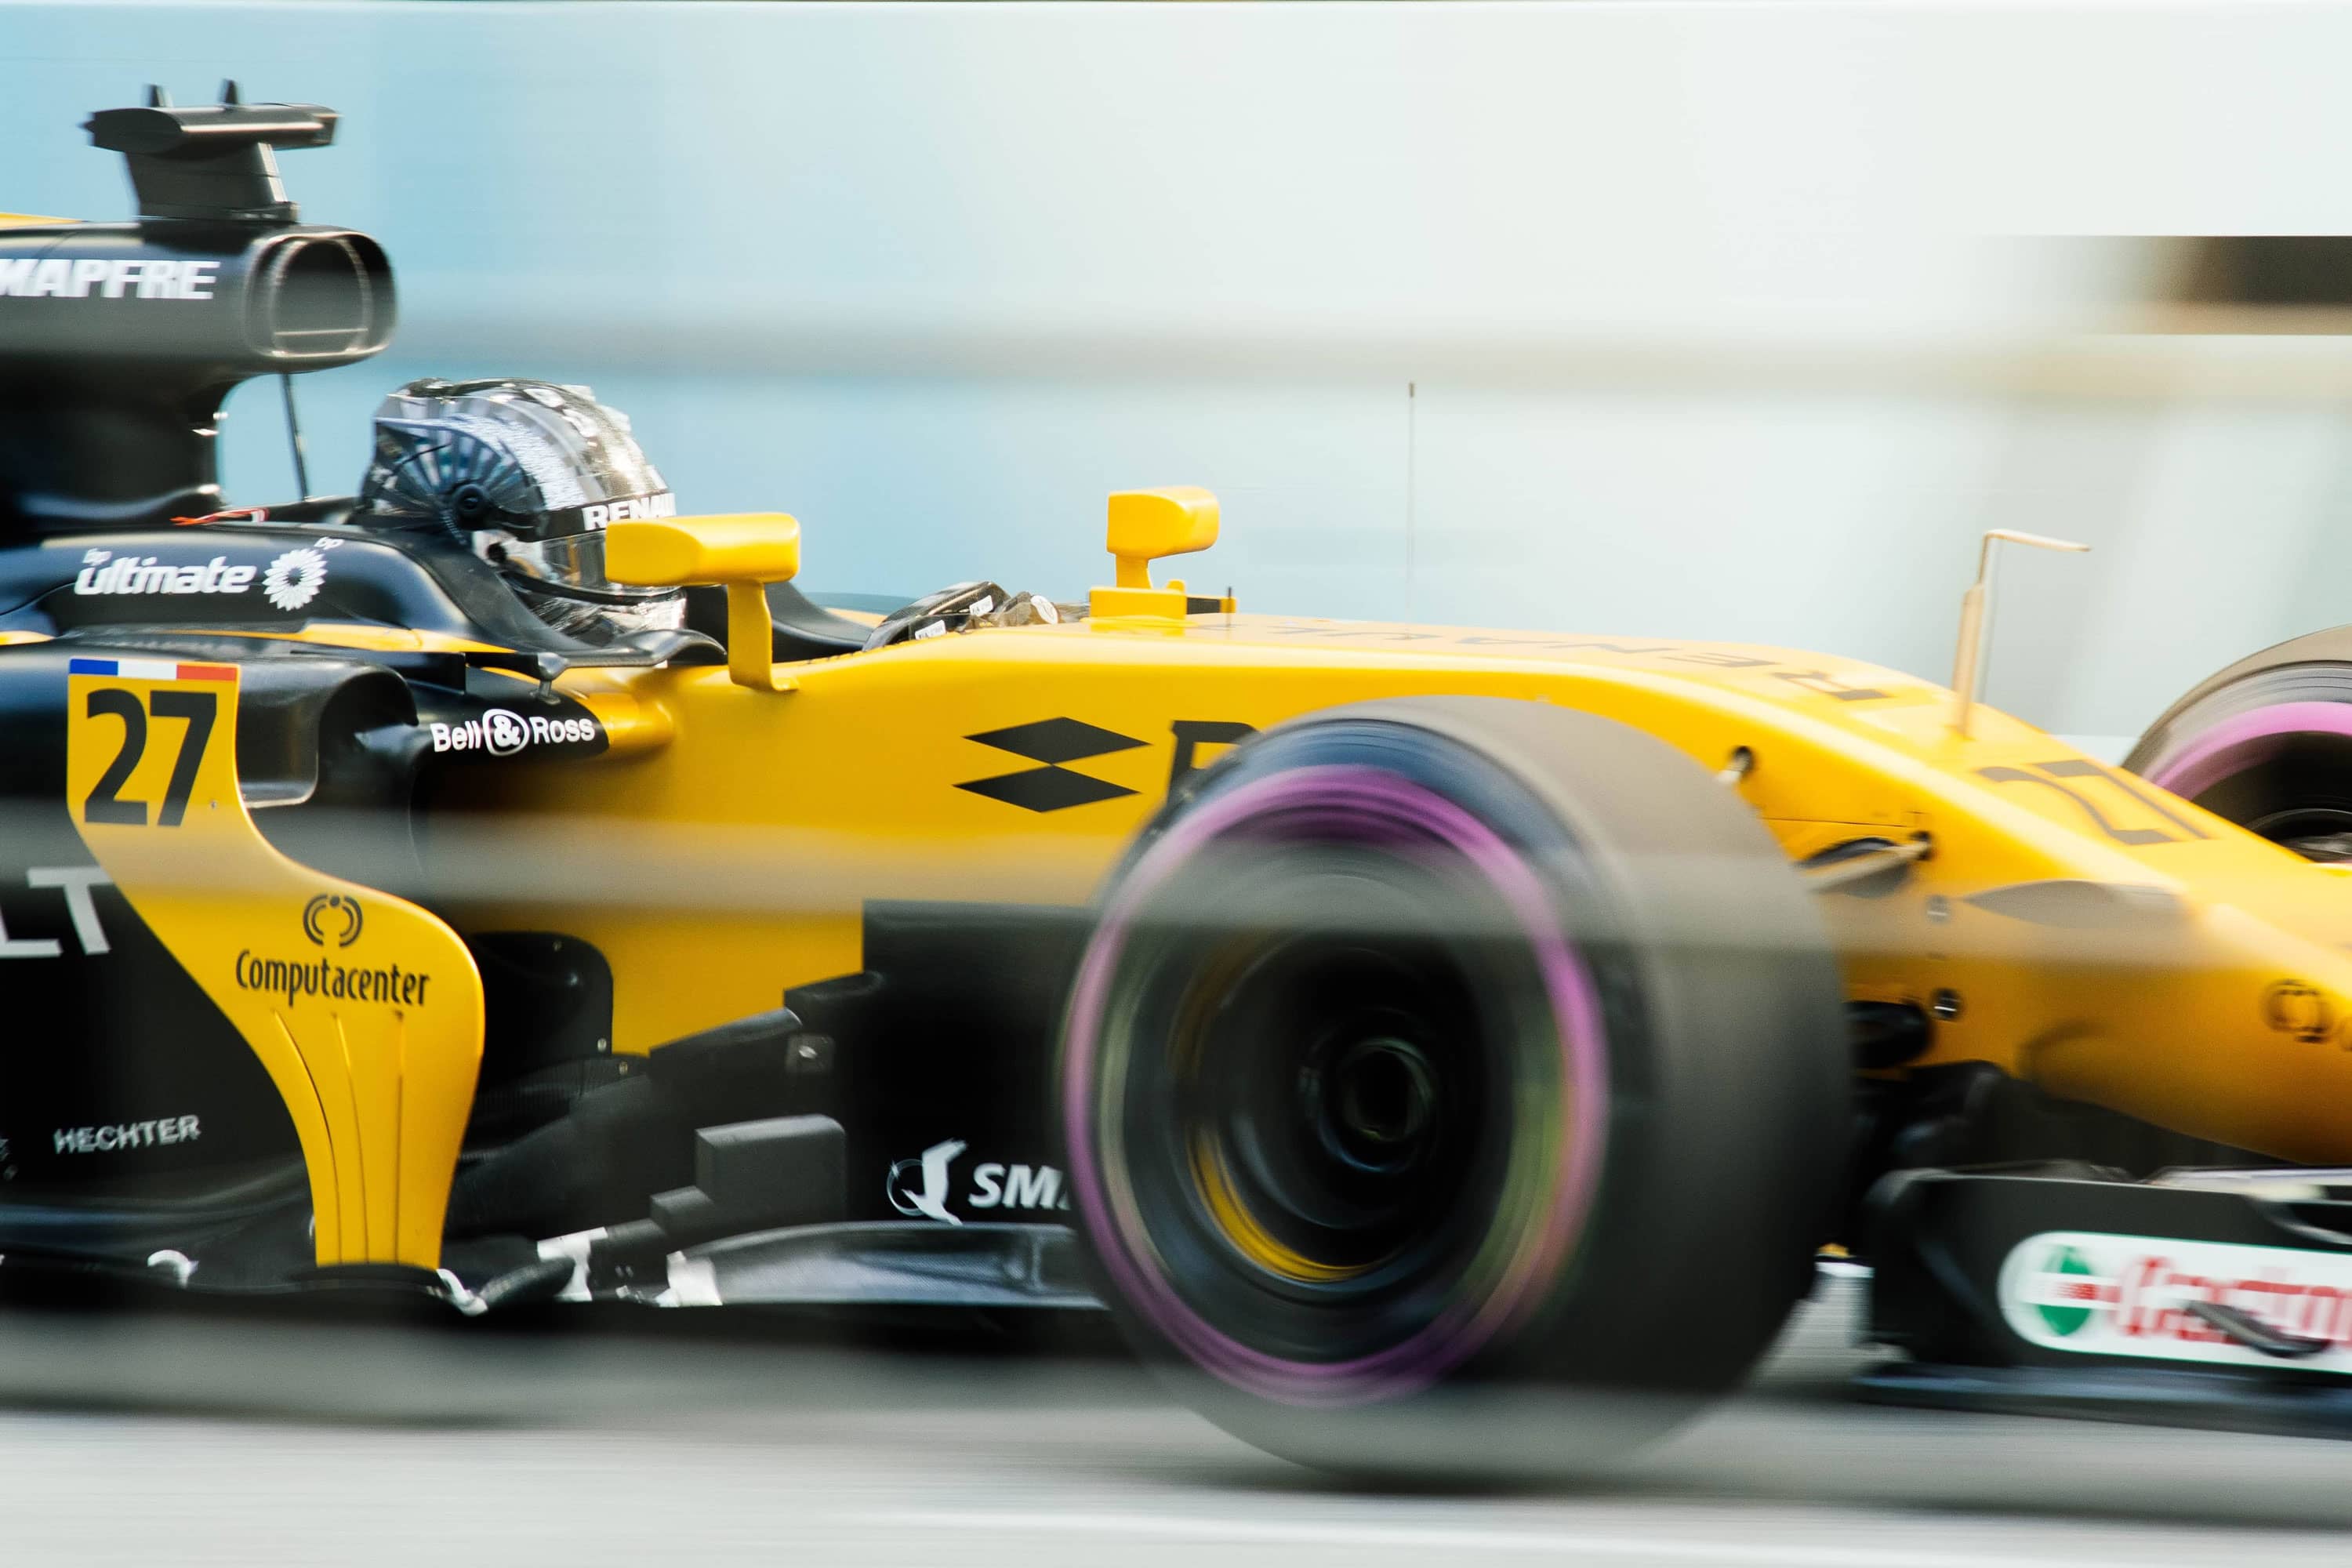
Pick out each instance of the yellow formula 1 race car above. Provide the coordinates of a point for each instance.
(1435, 1048)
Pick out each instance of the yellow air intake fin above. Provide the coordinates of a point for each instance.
(366, 1009)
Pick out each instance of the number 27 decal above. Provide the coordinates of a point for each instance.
(196, 712)
(2053, 775)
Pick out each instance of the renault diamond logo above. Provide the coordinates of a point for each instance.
(1052, 787)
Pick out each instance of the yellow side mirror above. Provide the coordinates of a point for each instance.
(742, 553)
(1144, 526)
(1148, 525)
(759, 547)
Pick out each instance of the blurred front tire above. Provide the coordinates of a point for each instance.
(1454, 1086)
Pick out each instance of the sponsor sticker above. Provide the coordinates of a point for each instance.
(2101, 1294)
(94, 278)
(597, 515)
(294, 579)
(294, 978)
(333, 920)
(925, 1187)
(74, 883)
(502, 733)
(104, 572)
(290, 582)
(116, 1137)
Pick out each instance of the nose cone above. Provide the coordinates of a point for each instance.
(2239, 1030)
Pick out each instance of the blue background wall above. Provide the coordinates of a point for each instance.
(1673, 320)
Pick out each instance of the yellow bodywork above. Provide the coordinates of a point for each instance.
(366, 1009)
(741, 851)
(2076, 926)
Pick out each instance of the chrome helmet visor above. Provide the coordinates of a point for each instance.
(569, 561)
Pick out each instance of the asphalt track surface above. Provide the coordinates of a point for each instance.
(164, 1440)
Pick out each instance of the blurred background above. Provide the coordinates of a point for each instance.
(1735, 321)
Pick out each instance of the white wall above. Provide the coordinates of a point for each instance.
(1713, 318)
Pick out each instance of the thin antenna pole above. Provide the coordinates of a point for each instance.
(1412, 432)
(1976, 612)
(294, 436)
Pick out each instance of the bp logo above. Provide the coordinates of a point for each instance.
(2064, 1320)
(294, 579)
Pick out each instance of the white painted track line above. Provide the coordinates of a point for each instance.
(1456, 1542)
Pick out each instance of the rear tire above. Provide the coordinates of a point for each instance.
(1454, 1086)
(2267, 744)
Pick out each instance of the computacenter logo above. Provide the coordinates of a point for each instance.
(295, 978)
(331, 921)
(333, 918)
(64, 278)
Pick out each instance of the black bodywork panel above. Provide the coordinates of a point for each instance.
(109, 1032)
(942, 1039)
(136, 1125)
(1941, 1241)
(1940, 1237)
(948, 1037)
(268, 579)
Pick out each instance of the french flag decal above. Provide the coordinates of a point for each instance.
(151, 670)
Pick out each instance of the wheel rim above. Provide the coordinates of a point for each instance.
(1327, 1102)
(1381, 1097)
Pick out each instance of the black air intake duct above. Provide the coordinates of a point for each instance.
(119, 343)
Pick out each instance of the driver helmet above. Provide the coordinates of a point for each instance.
(525, 474)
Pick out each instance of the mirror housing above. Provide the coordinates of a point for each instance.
(1144, 526)
(743, 553)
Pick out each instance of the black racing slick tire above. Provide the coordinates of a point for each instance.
(1454, 1087)
(2267, 744)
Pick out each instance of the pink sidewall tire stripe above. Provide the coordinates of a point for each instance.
(2242, 740)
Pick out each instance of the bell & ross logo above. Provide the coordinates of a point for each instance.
(502, 733)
